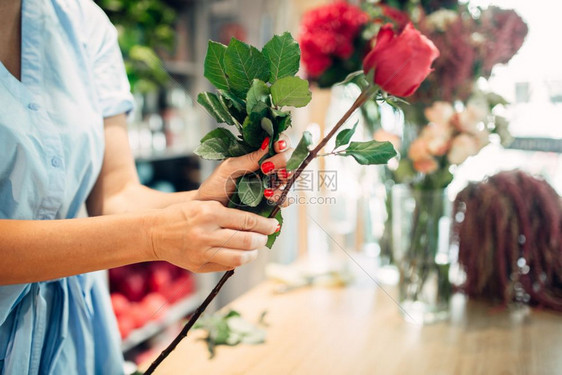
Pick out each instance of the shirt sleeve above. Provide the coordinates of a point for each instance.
(110, 79)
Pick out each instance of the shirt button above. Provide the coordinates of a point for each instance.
(33, 106)
(56, 162)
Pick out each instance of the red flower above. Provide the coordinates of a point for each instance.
(401, 62)
(400, 18)
(328, 32)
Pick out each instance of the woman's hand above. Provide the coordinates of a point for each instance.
(205, 236)
(222, 182)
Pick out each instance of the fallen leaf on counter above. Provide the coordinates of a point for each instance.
(230, 329)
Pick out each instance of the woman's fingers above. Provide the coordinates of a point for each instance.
(276, 162)
(246, 221)
(237, 239)
(230, 258)
(273, 195)
(283, 144)
(212, 267)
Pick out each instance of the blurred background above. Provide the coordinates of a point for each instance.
(164, 44)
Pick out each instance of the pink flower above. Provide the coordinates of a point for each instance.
(437, 138)
(419, 150)
(439, 113)
(382, 135)
(462, 146)
(428, 165)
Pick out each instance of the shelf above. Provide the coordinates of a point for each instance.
(177, 312)
(537, 144)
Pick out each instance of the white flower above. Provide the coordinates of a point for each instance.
(441, 18)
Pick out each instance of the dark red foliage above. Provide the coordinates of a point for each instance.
(504, 32)
(508, 219)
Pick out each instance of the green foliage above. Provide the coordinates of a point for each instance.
(301, 152)
(250, 190)
(258, 93)
(219, 144)
(143, 26)
(283, 53)
(344, 136)
(248, 82)
(291, 91)
(214, 70)
(272, 237)
(370, 152)
(216, 107)
(244, 63)
(230, 329)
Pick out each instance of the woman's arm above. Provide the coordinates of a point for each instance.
(198, 236)
(139, 225)
(118, 189)
(34, 250)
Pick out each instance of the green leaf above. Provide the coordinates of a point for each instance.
(279, 113)
(250, 190)
(291, 91)
(231, 313)
(216, 108)
(238, 148)
(243, 64)
(283, 53)
(220, 143)
(214, 69)
(212, 149)
(272, 237)
(283, 124)
(345, 135)
(251, 128)
(222, 133)
(352, 77)
(258, 93)
(301, 152)
(371, 152)
(235, 102)
(267, 126)
(281, 120)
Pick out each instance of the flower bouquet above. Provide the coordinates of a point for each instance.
(449, 117)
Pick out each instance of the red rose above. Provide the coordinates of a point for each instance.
(328, 32)
(401, 62)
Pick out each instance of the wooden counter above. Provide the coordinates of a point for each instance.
(358, 330)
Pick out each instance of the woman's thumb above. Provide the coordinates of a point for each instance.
(248, 163)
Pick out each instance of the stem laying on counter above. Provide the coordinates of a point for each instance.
(365, 95)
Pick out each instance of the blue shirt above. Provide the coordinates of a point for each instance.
(51, 151)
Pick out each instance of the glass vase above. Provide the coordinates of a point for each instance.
(421, 222)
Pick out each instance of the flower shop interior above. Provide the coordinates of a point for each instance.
(436, 248)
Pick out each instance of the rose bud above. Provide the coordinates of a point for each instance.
(401, 62)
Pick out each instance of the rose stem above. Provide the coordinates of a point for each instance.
(358, 103)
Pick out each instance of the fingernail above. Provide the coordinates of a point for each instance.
(268, 193)
(278, 228)
(267, 167)
(265, 143)
(283, 173)
(281, 145)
